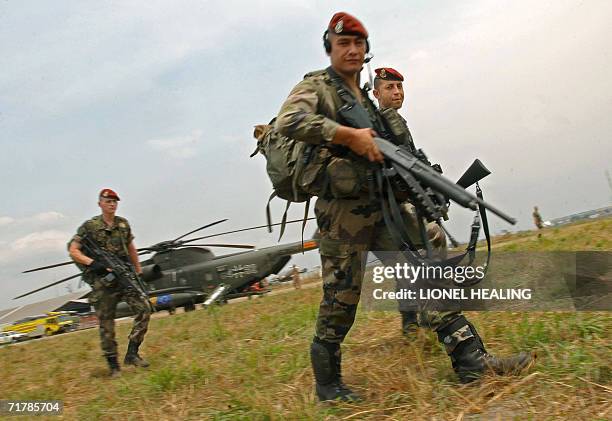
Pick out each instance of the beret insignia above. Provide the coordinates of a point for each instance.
(339, 26)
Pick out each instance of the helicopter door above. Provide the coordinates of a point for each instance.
(178, 278)
(209, 279)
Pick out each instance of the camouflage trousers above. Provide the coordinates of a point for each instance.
(348, 228)
(105, 302)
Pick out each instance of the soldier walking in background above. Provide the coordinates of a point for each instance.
(113, 234)
(537, 218)
(295, 277)
(349, 217)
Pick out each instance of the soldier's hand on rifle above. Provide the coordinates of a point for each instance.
(98, 268)
(360, 141)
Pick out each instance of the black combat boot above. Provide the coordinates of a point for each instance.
(469, 357)
(132, 357)
(113, 364)
(409, 323)
(326, 364)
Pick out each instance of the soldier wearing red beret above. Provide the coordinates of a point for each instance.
(349, 215)
(113, 234)
(388, 88)
(389, 91)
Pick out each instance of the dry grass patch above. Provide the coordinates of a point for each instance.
(250, 361)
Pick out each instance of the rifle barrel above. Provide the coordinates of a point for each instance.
(435, 180)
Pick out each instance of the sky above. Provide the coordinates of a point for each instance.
(157, 100)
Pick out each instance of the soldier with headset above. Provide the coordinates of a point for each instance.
(349, 214)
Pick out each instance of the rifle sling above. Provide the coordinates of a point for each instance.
(485, 226)
(404, 244)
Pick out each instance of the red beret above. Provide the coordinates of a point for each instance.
(344, 24)
(387, 73)
(108, 194)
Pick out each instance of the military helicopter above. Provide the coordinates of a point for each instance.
(181, 273)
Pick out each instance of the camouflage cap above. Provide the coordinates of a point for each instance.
(388, 73)
(344, 24)
(108, 194)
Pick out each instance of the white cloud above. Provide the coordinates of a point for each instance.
(45, 217)
(6, 220)
(48, 216)
(179, 147)
(33, 245)
(41, 241)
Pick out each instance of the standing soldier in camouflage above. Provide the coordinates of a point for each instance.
(389, 92)
(349, 220)
(113, 234)
(537, 218)
(295, 277)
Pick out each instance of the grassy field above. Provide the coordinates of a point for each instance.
(250, 361)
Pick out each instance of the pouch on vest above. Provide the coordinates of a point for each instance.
(311, 175)
(344, 180)
(399, 129)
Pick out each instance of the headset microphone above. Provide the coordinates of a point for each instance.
(370, 84)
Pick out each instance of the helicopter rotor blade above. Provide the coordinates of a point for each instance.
(48, 267)
(234, 246)
(199, 229)
(48, 286)
(244, 229)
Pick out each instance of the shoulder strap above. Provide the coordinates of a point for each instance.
(268, 215)
(343, 92)
(125, 248)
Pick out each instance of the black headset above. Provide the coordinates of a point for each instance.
(327, 44)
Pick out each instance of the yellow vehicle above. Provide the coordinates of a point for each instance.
(46, 324)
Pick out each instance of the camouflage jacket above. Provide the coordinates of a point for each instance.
(310, 112)
(401, 118)
(114, 239)
(399, 127)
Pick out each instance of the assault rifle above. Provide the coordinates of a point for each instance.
(122, 272)
(409, 168)
(425, 185)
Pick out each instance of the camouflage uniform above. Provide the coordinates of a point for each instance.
(296, 278)
(114, 239)
(537, 218)
(349, 226)
(410, 318)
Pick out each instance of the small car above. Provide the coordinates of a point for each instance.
(10, 337)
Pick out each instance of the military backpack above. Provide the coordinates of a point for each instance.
(284, 165)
